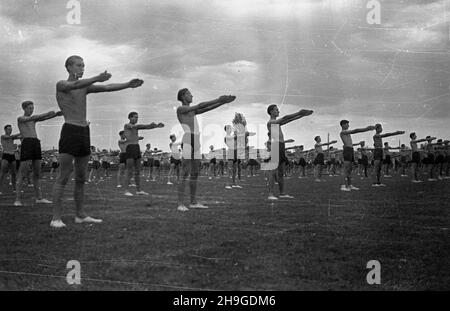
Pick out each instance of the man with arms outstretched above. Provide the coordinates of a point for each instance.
(348, 152)
(276, 139)
(31, 154)
(74, 143)
(187, 116)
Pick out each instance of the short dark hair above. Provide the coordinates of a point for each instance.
(132, 114)
(270, 108)
(344, 122)
(71, 60)
(6, 126)
(121, 133)
(317, 137)
(181, 94)
(172, 135)
(412, 134)
(27, 103)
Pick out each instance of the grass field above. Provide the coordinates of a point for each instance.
(321, 240)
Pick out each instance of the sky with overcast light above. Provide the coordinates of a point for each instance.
(315, 54)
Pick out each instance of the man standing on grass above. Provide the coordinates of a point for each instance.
(187, 116)
(348, 152)
(133, 151)
(276, 139)
(378, 151)
(8, 159)
(74, 143)
(31, 154)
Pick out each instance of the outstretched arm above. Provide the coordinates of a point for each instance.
(40, 117)
(66, 86)
(330, 143)
(12, 137)
(150, 126)
(360, 130)
(292, 117)
(209, 105)
(115, 86)
(392, 134)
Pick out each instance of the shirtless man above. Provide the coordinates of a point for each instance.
(348, 152)
(415, 161)
(187, 116)
(54, 164)
(74, 143)
(378, 151)
(31, 154)
(133, 151)
(122, 157)
(175, 158)
(8, 158)
(319, 161)
(277, 146)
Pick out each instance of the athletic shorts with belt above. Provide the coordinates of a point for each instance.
(30, 149)
(75, 140)
(133, 151)
(387, 160)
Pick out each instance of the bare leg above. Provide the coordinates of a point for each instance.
(137, 174)
(37, 179)
(23, 171)
(65, 170)
(193, 180)
(80, 177)
(185, 168)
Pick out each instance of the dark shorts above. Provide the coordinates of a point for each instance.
(447, 159)
(349, 154)
(133, 152)
(8, 157)
(188, 141)
(387, 160)
(75, 140)
(122, 158)
(378, 154)
(175, 161)
(403, 159)
(55, 165)
(252, 162)
(440, 159)
(156, 163)
(332, 161)
(96, 165)
(319, 160)
(105, 165)
(213, 161)
(282, 153)
(302, 162)
(31, 149)
(365, 160)
(415, 157)
(17, 164)
(429, 159)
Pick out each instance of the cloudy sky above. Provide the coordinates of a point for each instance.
(316, 54)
